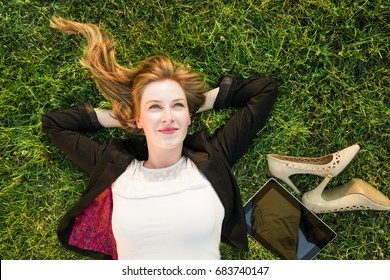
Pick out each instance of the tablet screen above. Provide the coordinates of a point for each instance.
(282, 224)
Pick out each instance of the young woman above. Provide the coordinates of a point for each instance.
(173, 197)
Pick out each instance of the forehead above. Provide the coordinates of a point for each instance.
(164, 90)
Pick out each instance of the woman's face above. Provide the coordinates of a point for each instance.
(164, 114)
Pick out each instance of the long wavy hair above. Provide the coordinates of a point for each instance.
(124, 87)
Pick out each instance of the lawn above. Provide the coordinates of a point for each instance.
(331, 59)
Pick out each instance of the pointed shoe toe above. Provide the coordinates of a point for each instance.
(354, 195)
(283, 167)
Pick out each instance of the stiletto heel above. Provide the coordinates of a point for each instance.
(354, 195)
(283, 167)
(285, 178)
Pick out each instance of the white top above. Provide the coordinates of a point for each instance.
(168, 213)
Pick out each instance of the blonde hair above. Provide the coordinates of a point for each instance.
(124, 87)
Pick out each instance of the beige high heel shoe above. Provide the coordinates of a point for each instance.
(354, 195)
(283, 167)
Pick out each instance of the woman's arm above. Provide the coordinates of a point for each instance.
(64, 129)
(255, 97)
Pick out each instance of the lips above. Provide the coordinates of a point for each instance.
(168, 130)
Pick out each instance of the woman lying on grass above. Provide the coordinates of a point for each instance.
(173, 197)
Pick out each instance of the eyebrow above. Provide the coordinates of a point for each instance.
(159, 101)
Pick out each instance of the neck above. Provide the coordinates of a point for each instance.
(163, 158)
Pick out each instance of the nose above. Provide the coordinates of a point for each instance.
(167, 116)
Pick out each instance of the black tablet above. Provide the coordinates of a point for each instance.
(283, 225)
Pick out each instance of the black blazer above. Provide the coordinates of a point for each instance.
(214, 155)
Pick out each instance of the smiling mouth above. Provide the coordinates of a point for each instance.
(168, 130)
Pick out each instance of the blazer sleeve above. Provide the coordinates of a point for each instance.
(64, 128)
(255, 97)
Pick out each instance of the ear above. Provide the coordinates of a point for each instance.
(138, 123)
(189, 120)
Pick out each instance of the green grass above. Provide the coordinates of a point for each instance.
(330, 57)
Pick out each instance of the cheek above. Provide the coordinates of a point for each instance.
(146, 121)
(186, 118)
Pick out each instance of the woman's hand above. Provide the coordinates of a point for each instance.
(211, 95)
(107, 118)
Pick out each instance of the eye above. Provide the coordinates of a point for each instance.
(155, 106)
(178, 104)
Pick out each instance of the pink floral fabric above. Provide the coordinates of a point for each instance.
(92, 229)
